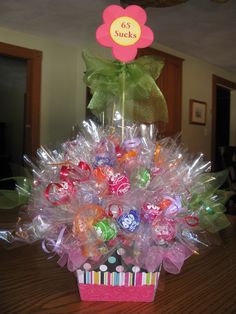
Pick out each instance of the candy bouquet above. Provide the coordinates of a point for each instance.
(115, 210)
(114, 204)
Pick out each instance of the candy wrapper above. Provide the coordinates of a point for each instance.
(98, 199)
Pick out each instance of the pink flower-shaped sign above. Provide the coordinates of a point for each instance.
(124, 31)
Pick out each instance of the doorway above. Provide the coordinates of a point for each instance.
(31, 112)
(33, 59)
(12, 104)
(222, 122)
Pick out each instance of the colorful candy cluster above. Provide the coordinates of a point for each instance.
(99, 193)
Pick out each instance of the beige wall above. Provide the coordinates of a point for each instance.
(63, 90)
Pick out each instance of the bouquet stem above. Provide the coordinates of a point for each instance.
(123, 103)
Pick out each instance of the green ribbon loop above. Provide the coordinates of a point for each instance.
(209, 202)
(144, 102)
(213, 221)
(206, 185)
(19, 196)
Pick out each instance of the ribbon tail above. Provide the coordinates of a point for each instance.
(75, 259)
(152, 65)
(97, 103)
(96, 64)
(211, 182)
(154, 258)
(213, 222)
(223, 196)
(148, 110)
(63, 260)
(175, 257)
(19, 196)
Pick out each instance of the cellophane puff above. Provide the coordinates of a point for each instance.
(98, 193)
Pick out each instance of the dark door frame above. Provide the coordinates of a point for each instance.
(33, 60)
(216, 80)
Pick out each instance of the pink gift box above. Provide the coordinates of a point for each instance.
(117, 286)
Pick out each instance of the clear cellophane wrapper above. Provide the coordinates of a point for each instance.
(106, 191)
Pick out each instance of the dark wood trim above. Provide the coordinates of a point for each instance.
(170, 91)
(164, 55)
(223, 82)
(33, 97)
(180, 91)
(216, 80)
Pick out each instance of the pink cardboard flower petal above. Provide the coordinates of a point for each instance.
(146, 38)
(112, 12)
(124, 31)
(102, 36)
(136, 13)
(123, 54)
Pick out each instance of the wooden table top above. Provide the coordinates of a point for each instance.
(30, 283)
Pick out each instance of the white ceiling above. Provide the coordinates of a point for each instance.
(199, 28)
